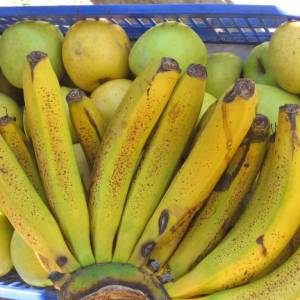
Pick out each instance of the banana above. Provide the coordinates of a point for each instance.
(121, 147)
(87, 122)
(30, 216)
(267, 225)
(213, 222)
(27, 264)
(19, 144)
(225, 130)
(52, 144)
(161, 158)
(281, 284)
(6, 232)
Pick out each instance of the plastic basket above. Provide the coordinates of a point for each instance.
(215, 23)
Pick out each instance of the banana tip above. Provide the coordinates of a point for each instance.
(197, 70)
(244, 88)
(75, 95)
(6, 120)
(35, 57)
(168, 64)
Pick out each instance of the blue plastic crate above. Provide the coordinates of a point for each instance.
(12, 287)
(215, 23)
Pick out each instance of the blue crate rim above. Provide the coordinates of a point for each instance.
(145, 10)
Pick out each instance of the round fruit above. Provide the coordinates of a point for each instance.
(9, 90)
(109, 95)
(27, 264)
(284, 56)
(9, 107)
(95, 51)
(169, 39)
(271, 98)
(223, 69)
(257, 66)
(19, 39)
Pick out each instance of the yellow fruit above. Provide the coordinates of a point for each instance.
(284, 55)
(121, 149)
(208, 159)
(64, 92)
(95, 51)
(27, 263)
(161, 158)
(83, 166)
(267, 225)
(51, 139)
(6, 232)
(87, 122)
(9, 107)
(109, 95)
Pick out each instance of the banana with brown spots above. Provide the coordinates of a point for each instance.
(87, 123)
(52, 142)
(267, 225)
(205, 164)
(121, 149)
(161, 158)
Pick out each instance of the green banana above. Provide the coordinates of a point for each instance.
(225, 130)
(50, 135)
(265, 228)
(214, 220)
(121, 148)
(160, 158)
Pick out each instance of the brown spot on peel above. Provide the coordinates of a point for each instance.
(227, 178)
(55, 276)
(164, 278)
(61, 261)
(75, 95)
(260, 128)
(163, 221)
(244, 88)
(153, 265)
(168, 64)
(292, 110)
(260, 241)
(197, 70)
(147, 248)
(35, 57)
(6, 120)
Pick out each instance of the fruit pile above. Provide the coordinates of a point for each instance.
(158, 172)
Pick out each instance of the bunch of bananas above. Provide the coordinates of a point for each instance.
(176, 209)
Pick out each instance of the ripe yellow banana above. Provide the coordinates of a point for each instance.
(27, 263)
(213, 222)
(225, 130)
(161, 158)
(121, 147)
(52, 144)
(6, 232)
(87, 123)
(30, 216)
(19, 145)
(281, 284)
(267, 225)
